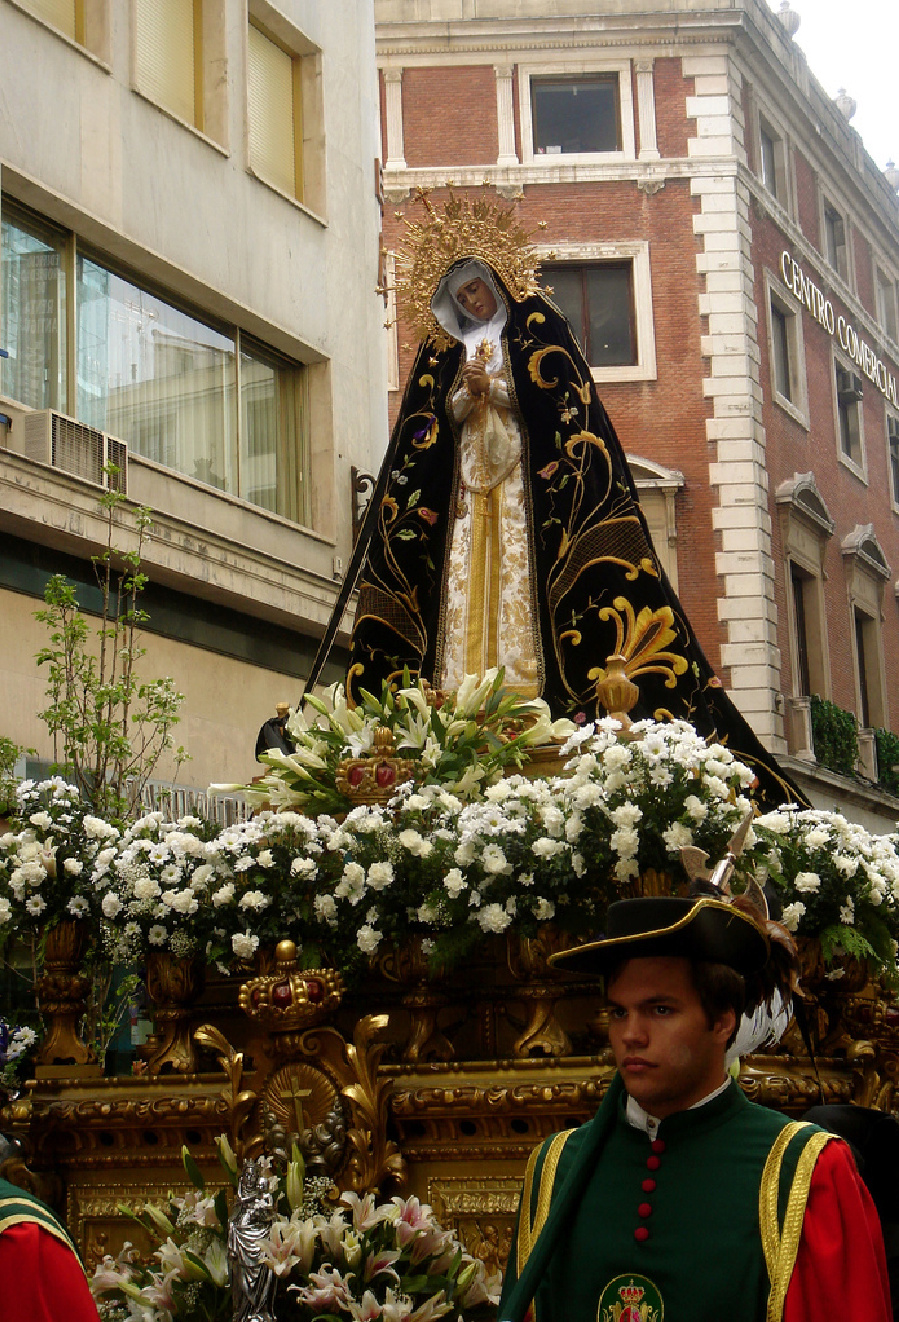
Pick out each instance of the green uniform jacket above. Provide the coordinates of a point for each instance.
(680, 1215)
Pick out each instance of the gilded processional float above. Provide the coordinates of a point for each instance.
(356, 982)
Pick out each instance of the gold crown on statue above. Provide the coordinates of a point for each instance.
(291, 998)
(461, 228)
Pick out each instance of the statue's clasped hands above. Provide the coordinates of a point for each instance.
(475, 378)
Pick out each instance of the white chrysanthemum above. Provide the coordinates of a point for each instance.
(111, 904)
(847, 912)
(545, 910)
(807, 882)
(325, 908)
(256, 900)
(380, 875)
(368, 939)
(302, 867)
(494, 861)
(494, 918)
(677, 836)
(454, 883)
(244, 944)
(546, 848)
(35, 905)
(77, 906)
(792, 914)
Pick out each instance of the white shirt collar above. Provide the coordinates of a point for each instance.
(637, 1118)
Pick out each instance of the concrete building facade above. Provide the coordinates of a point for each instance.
(188, 288)
(730, 254)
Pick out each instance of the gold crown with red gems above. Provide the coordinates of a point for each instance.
(632, 1294)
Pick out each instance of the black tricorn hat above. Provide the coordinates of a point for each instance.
(697, 928)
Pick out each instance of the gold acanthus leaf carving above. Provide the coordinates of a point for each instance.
(373, 1158)
(240, 1102)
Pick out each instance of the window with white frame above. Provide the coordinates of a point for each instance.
(849, 395)
(772, 162)
(605, 292)
(886, 303)
(835, 238)
(867, 571)
(576, 114)
(201, 398)
(806, 529)
(786, 354)
(893, 457)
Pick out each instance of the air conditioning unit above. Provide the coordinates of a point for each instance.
(849, 386)
(52, 438)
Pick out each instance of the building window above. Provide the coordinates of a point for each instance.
(168, 51)
(605, 292)
(285, 119)
(886, 304)
(576, 115)
(849, 394)
(893, 456)
(32, 310)
(864, 645)
(798, 583)
(786, 354)
(67, 15)
(867, 571)
(772, 161)
(203, 400)
(274, 113)
(835, 240)
(780, 350)
(806, 529)
(598, 301)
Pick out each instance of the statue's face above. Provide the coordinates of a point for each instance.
(476, 299)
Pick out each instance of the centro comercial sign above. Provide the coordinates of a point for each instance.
(821, 308)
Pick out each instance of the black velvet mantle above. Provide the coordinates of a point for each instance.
(598, 585)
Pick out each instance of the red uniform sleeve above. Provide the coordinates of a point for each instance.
(41, 1280)
(841, 1269)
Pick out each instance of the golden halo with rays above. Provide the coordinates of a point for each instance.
(460, 228)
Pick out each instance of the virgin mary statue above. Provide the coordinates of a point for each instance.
(507, 530)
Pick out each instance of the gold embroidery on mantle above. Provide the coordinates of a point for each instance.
(641, 640)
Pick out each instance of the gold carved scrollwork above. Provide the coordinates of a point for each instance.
(240, 1101)
(481, 1211)
(372, 1158)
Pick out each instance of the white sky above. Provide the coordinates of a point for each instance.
(855, 44)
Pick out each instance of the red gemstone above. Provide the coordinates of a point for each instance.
(652, 1163)
(314, 991)
(649, 1186)
(355, 776)
(641, 1234)
(645, 1209)
(254, 996)
(891, 1015)
(385, 775)
(658, 1145)
(282, 995)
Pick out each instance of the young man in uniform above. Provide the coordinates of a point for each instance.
(681, 1199)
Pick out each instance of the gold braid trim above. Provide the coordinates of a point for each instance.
(781, 1247)
(529, 1230)
(35, 1218)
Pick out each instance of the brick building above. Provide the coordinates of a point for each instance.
(729, 254)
